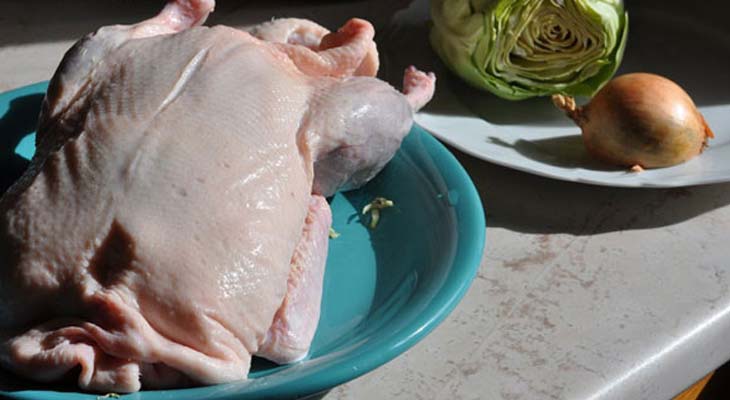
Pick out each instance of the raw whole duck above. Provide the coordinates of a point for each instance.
(173, 221)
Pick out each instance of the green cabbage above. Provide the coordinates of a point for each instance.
(524, 48)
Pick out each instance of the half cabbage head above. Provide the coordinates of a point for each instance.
(524, 48)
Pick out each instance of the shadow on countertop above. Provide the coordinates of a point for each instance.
(23, 22)
(532, 204)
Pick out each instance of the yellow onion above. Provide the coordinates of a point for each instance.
(639, 120)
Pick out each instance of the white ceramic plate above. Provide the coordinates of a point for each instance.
(687, 44)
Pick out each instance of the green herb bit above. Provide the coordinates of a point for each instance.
(109, 396)
(374, 208)
(333, 233)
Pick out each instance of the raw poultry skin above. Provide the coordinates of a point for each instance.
(172, 223)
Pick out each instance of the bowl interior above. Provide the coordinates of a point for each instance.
(384, 289)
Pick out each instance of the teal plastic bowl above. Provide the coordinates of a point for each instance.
(384, 289)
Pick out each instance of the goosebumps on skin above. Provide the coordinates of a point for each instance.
(171, 224)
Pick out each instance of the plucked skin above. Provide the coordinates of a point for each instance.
(172, 222)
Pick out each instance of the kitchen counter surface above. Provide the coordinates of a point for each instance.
(584, 292)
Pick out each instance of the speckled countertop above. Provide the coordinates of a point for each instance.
(584, 292)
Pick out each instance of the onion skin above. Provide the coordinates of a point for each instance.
(640, 120)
